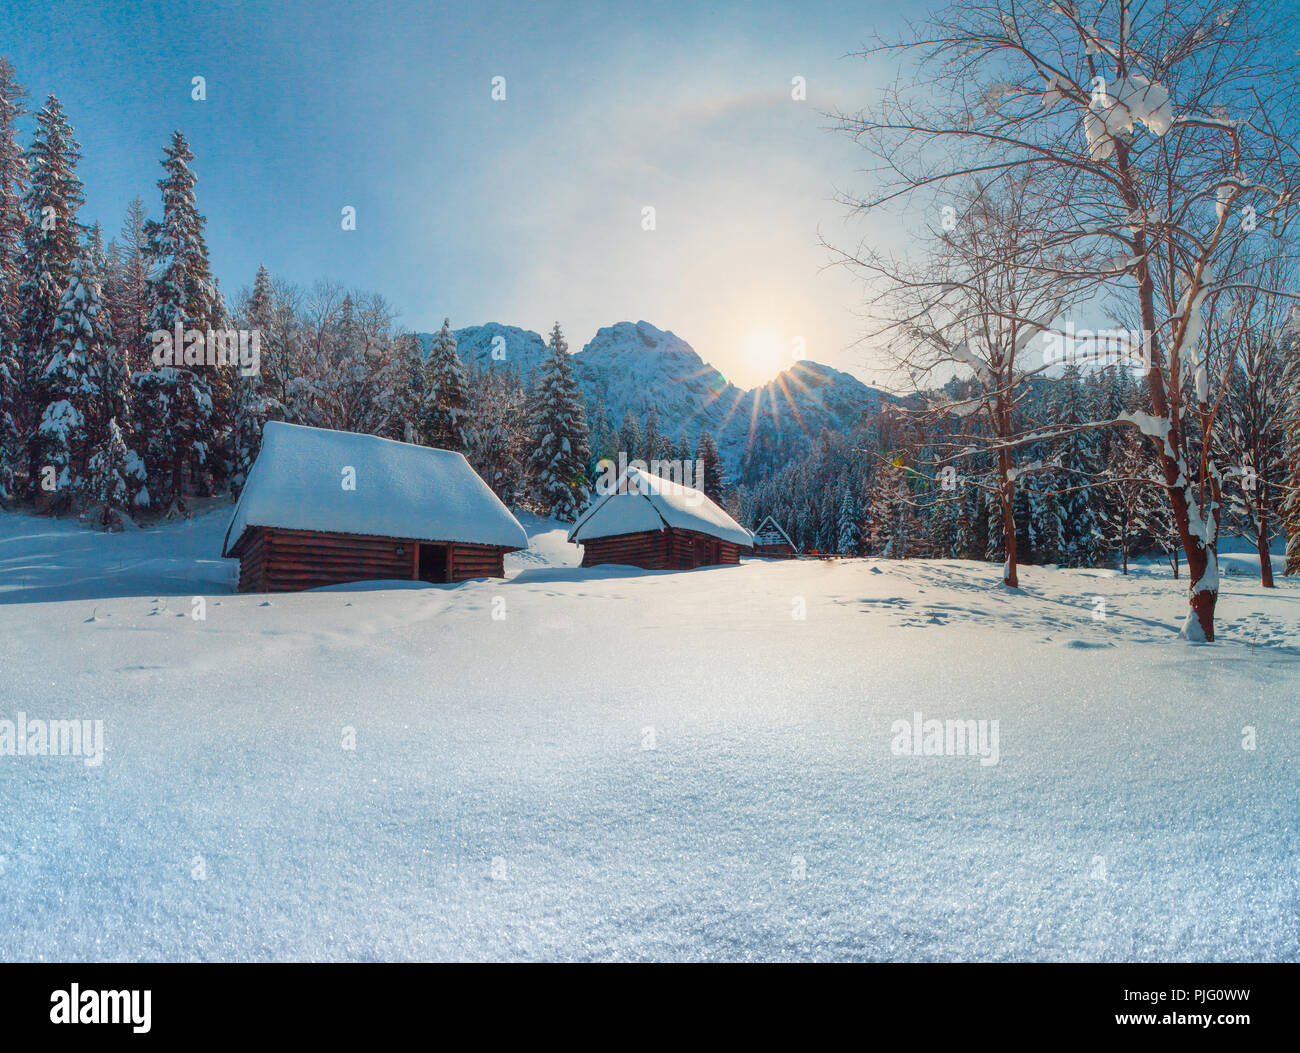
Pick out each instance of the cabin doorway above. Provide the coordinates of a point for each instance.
(705, 552)
(433, 563)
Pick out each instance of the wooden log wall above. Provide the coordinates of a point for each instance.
(659, 550)
(476, 561)
(303, 559)
(683, 551)
(275, 560)
(648, 549)
(729, 552)
(252, 561)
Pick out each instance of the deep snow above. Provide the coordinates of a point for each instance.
(502, 800)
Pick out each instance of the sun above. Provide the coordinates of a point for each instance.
(766, 352)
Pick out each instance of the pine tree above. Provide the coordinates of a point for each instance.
(951, 517)
(253, 405)
(127, 290)
(560, 439)
(51, 245)
(74, 379)
(13, 183)
(96, 255)
(682, 452)
(604, 439)
(112, 483)
(109, 368)
(653, 443)
(629, 438)
(1291, 456)
(1040, 524)
(1078, 454)
(849, 540)
(11, 446)
(175, 404)
(180, 281)
(714, 481)
(408, 400)
(445, 420)
(894, 526)
(250, 417)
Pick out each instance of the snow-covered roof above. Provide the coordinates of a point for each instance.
(401, 490)
(642, 501)
(769, 532)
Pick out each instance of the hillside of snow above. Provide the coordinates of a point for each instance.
(633, 366)
(617, 764)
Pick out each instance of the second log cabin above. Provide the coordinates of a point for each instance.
(657, 524)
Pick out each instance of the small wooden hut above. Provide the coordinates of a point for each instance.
(771, 540)
(657, 524)
(324, 507)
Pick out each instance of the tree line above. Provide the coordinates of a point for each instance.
(91, 421)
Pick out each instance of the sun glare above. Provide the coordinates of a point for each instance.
(766, 352)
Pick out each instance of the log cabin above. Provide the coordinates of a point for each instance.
(770, 540)
(325, 507)
(657, 524)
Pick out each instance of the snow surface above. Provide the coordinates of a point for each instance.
(642, 501)
(401, 490)
(502, 801)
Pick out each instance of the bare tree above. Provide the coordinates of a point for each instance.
(1251, 331)
(974, 305)
(1164, 133)
(344, 369)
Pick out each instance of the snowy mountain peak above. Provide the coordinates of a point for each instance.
(628, 337)
(631, 366)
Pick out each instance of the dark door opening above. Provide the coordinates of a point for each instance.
(433, 563)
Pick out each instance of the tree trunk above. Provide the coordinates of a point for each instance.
(1167, 406)
(1009, 576)
(1204, 598)
(1265, 561)
(1203, 609)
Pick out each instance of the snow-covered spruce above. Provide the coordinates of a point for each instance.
(560, 452)
(179, 411)
(445, 419)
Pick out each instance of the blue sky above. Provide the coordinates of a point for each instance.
(520, 211)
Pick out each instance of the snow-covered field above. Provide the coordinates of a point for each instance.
(618, 764)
